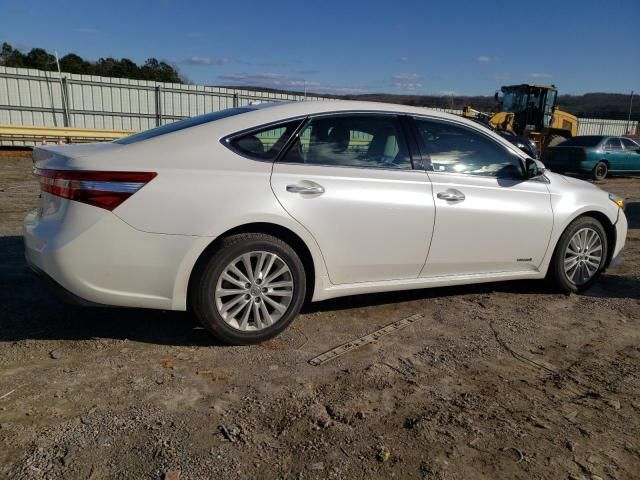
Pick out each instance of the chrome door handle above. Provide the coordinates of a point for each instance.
(306, 189)
(451, 196)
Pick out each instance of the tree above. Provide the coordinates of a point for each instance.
(12, 58)
(73, 63)
(41, 59)
(38, 58)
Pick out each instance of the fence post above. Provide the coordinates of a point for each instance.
(235, 100)
(158, 105)
(65, 100)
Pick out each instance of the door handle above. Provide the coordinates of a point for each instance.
(451, 196)
(306, 189)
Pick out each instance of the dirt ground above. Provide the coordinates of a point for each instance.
(503, 380)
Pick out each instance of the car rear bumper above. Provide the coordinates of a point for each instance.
(92, 257)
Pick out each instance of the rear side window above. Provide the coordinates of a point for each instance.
(582, 141)
(265, 144)
(629, 144)
(455, 149)
(358, 140)
(182, 124)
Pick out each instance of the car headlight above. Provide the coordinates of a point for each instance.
(617, 199)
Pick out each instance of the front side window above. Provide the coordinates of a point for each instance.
(613, 144)
(265, 144)
(457, 149)
(629, 144)
(358, 140)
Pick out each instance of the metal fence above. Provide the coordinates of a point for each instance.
(47, 99)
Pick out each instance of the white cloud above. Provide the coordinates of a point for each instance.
(282, 81)
(203, 61)
(404, 59)
(406, 81)
(448, 93)
(539, 75)
(485, 59)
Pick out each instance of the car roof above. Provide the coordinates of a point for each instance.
(291, 109)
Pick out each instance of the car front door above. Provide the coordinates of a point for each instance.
(615, 156)
(489, 219)
(348, 179)
(632, 155)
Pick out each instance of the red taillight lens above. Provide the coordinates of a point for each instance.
(101, 189)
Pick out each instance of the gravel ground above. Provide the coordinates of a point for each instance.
(503, 380)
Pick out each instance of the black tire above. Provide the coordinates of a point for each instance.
(600, 171)
(209, 271)
(557, 271)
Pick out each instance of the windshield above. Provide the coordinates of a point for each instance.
(583, 141)
(175, 126)
(514, 101)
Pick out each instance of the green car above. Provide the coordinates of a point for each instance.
(594, 155)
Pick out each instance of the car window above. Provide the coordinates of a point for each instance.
(182, 124)
(582, 141)
(265, 144)
(358, 140)
(457, 149)
(629, 144)
(613, 144)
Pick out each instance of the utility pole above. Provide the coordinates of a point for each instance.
(629, 117)
(63, 95)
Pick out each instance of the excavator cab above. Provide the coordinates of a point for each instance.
(532, 106)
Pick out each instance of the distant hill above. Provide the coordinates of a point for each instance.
(614, 106)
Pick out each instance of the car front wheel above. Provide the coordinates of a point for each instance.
(250, 289)
(580, 255)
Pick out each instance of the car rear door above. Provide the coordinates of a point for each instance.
(488, 218)
(348, 179)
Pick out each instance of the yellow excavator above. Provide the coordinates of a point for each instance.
(529, 117)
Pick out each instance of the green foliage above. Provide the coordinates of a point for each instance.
(38, 58)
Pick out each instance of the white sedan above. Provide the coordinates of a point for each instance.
(241, 215)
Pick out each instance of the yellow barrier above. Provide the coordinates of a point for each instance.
(19, 132)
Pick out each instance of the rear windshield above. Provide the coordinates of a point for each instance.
(182, 124)
(583, 141)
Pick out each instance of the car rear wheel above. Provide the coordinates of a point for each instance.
(600, 171)
(580, 255)
(250, 289)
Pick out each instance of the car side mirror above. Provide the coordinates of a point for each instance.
(533, 168)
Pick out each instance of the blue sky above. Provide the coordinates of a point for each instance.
(420, 47)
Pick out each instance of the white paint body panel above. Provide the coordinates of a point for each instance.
(371, 230)
(371, 225)
(502, 225)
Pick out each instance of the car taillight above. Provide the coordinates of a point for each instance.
(101, 189)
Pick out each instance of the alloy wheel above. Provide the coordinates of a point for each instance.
(254, 291)
(583, 256)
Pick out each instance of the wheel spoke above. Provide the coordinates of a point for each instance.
(246, 262)
(245, 317)
(266, 316)
(225, 292)
(267, 269)
(261, 258)
(235, 270)
(276, 305)
(231, 304)
(279, 272)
